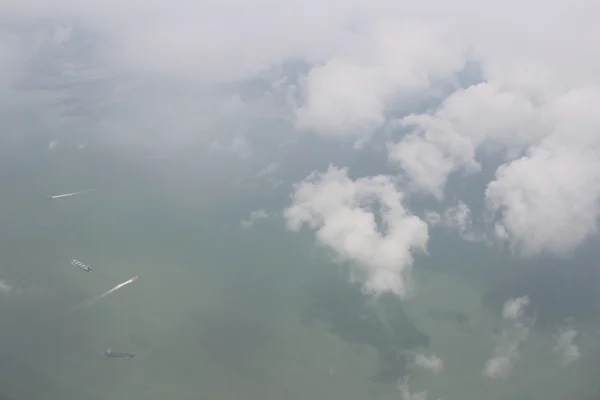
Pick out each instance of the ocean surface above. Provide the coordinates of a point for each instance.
(224, 312)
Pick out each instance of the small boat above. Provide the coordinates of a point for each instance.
(110, 353)
(81, 265)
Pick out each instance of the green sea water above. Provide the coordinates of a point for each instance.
(222, 312)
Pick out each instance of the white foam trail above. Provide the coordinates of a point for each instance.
(58, 196)
(119, 286)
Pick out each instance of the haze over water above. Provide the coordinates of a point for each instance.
(322, 199)
(224, 312)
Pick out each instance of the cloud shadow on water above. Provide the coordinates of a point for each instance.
(240, 333)
(559, 289)
(458, 318)
(359, 319)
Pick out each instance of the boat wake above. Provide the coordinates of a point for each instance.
(119, 286)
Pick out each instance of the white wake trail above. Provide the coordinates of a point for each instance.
(119, 286)
(59, 196)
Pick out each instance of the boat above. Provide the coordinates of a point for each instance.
(110, 353)
(81, 265)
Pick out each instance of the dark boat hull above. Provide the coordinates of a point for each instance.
(110, 353)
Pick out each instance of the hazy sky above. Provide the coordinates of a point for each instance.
(172, 74)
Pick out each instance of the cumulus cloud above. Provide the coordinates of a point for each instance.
(564, 347)
(348, 95)
(500, 364)
(254, 216)
(549, 200)
(457, 218)
(431, 363)
(423, 163)
(447, 140)
(514, 309)
(345, 214)
(545, 201)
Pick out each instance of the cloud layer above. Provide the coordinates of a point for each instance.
(172, 73)
(349, 95)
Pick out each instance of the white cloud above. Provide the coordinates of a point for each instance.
(405, 394)
(506, 352)
(340, 102)
(457, 218)
(348, 95)
(400, 49)
(546, 201)
(211, 42)
(564, 347)
(254, 216)
(5, 288)
(431, 363)
(433, 218)
(500, 365)
(269, 170)
(343, 213)
(447, 140)
(425, 164)
(549, 200)
(269, 174)
(514, 309)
